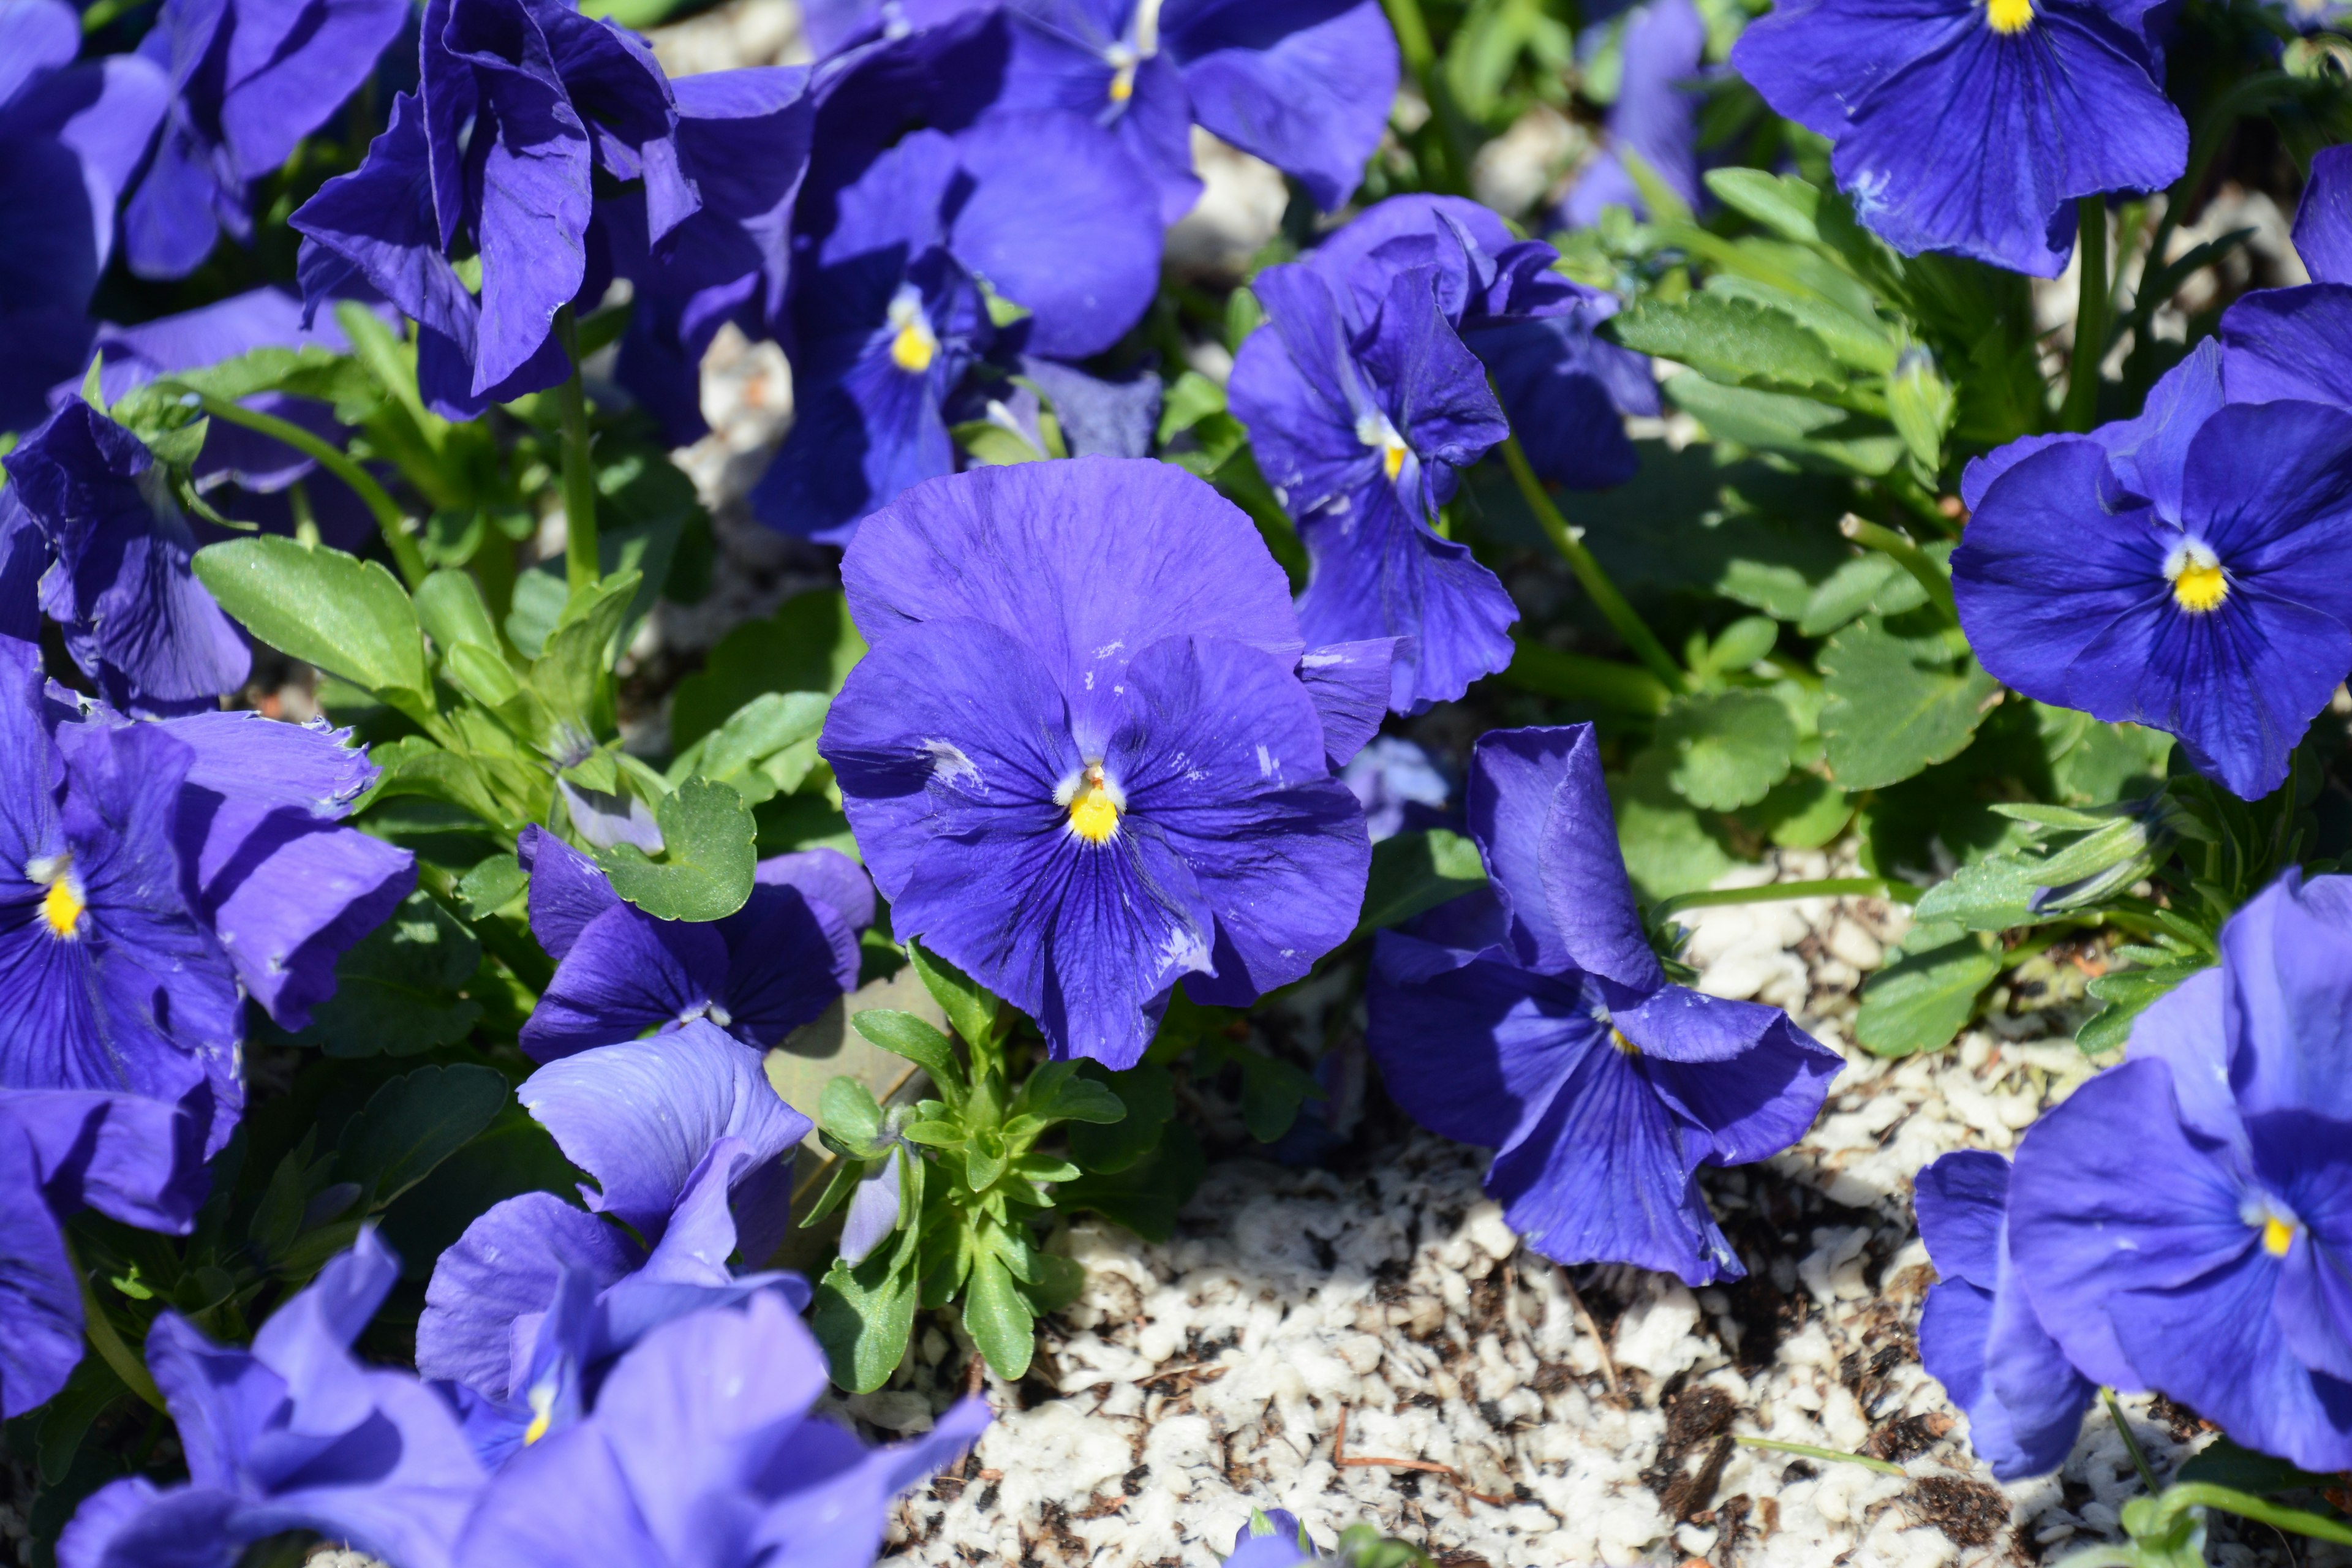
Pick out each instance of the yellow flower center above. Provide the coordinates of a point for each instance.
(915, 345)
(2007, 16)
(542, 1413)
(62, 905)
(2199, 584)
(1375, 431)
(1122, 80)
(1094, 803)
(2278, 1235)
(1617, 1038)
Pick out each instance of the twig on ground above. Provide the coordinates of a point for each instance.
(1600, 1342)
(1339, 1457)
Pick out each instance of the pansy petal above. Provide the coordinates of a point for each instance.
(40, 1299)
(2184, 1028)
(789, 957)
(1304, 84)
(626, 971)
(2288, 343)
(2323, 220)
(508, 1265)
(2285, 955)
(2270, 489)
(1474, 1050)
(1781, 54)
(1350, 685)
(1962, 1201)
(1754, 1102)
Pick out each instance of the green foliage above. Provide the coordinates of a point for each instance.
(348, 616)
(1727, 748)
(707, 858)
(1414, 872)
(1928, 994)
(397, 991)
(1897, 701)
(808, 645)
(412, 1124)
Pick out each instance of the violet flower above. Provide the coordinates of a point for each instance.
(889, 319)
(2183, 1222)
(1654, 118)
(691, 1148)
(294, 1434)
(1362, 412)
(1972, 126)
(700, 1451)
(132, 1159)
(2189, 570)
(2294, 343)
(773, 965)
(71, 137)
(1532, 1018)
(121, 585)
(1081, 760)
(249, 79)
(1978, 1335)
(1273, 1538)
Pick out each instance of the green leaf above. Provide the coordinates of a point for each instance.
(1994, 894)
(397, 988)
(1148, 1090)
(348, 616)
(491, 885)
(2127, 994)
(1727, 748)
(1076, 1098)
(1731, 340)
(903, 1034)
(1803, 811)
(1669, 848)
(994, 446)
(412, 1123)
(1866, 582)
(972, 1011)
(1815, 433)
(847, 1111)
(864, 1316)
(1191, 398)
(451, 608)
(1860, 344)
(1921, 404)
(997, 1317)
(1146, 1196)
(1782, 203)
(707, 858)
(66, 1419)
(514, 1156)
(1896, 704)
(808, 645)
(2224, 1464)
(1413, 872)
(1920, 1002)
(766, 747)
(984, 1160)
(573, 674)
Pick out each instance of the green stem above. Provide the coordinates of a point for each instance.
(1833, 1456)
(1578, 677)
(2179, 1498)
(2131, 1441)
(2091, 296)
(580, 568)
(1776, 892)
(100, 1330)
(389, 518)
(1907, 555)
(1605, 594)
(1420, 63)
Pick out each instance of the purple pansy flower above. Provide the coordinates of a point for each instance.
(888, 317)
(71, 136)
(760, 973)
(701, 1452)
(1362, 409)
(1081, 759)
(523, 106)
(119, 586)
(249, 79)
(1978, 1335)
(1533, 1018)
(1654, 118)
(1399, 785)
(294, 1434)
(1973, 125)
(132, 1159)
(2189, 570)
(1273, 1538)
(2294, 343)
(691, 1149)
(2183, 1222)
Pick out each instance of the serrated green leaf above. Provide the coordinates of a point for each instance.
(1728, 338)
(1803, 811)
(972, 1010)
(998, 1317)
(903, 1034)
(1413, 872)
(1082, 1100)
(1727, 748)
(1818, 435)
(412, 1123)
(2127, 994)
(396, 989)
(707, 858)
(348, 616)
(1896, 705)
(766, 747)
(1994, 894)
(1862, 345)
(491, 885)
(1668, 847)
(1926, 997)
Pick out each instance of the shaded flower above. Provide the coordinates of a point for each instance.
(889, 317)
(134, 1160)
(71, 137)
(1972, 125)
(774, 964)
(2294, 343)
(690, 1149)
(1399, 786)
(1654, 118)
(120, 585)
(294, 1434)
(1533, 1019)
(1080, 759)
(2183, 1222)
(1978, 1335)
(1362, 417)
(701, 1452)
(249, 79)
(2189, 570)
